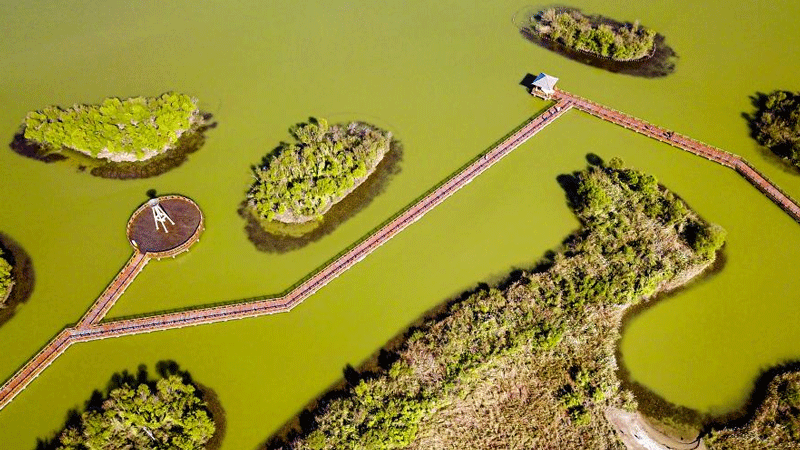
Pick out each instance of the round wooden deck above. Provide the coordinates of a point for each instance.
(155, 243)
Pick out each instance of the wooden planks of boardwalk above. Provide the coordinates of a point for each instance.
(114, 290)
(89, 328)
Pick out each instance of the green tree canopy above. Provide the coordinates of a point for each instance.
(5, 277)
(133, 129)
(777, 124)
(170, 417)
(301, 180)
(594, 34)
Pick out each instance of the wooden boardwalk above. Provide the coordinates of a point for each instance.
(114, 290)
(89, 328)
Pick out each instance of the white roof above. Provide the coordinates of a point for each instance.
(545, 82)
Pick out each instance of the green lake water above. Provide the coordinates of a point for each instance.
(443, 76)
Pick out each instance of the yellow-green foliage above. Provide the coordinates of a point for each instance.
(5, 277)
(595, 35)
(136, 126)
(531, 366)
(777, 124)
(300, 180)
(776, 425)
(171, 416)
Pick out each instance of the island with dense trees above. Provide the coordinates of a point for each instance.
(531, 363)
(594, 34)
(299, 181)
(166, 414)
(776, 124)
(133, 129)
(6, 279)
(137, 137)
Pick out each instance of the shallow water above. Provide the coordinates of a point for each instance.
(443, 78)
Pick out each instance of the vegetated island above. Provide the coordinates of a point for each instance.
(166, 414)
(300, 181)
(600, 41)
(6, 280)
(143, 136)
(776, 124)
(530, 364)
(618, 41)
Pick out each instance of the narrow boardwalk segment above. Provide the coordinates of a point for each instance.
(114, 290)
(35, 366)
(717, 155)
(89, 328)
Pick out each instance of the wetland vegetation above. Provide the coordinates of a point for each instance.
(776, 124)
(775, 423)
(133, 129)
(530, 363)
(594, 34)
(137, 137)
(300, 181)
(6, 280)
(598, 41)
(167, 413)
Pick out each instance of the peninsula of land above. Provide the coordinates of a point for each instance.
(531, 364)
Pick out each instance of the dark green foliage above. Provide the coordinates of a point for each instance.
(630, 247)
(171, 417)
(776, 424)
(6, 281)
(620, 42)
(133, 129)
(301, 180)
(777, 124)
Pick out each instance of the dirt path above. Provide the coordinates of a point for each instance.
(637, 434)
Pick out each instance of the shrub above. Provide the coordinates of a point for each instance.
(593, 34)
(301, 180)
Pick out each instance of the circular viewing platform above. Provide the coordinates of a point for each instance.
(165, 226)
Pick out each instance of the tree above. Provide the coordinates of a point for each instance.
(171, 416)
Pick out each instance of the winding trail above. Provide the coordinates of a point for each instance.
(90, 327)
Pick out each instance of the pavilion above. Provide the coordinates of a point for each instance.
(545, 83)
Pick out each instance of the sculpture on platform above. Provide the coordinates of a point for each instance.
(160, 216)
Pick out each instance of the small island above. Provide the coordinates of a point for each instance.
(6, 280)
(137, 137)
(133, 129)
(618, 47)
(300, 181)
(531, 363)
(594, 34)
(776, 124)
(166, 414)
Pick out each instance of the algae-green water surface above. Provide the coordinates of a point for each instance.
(443, 76)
